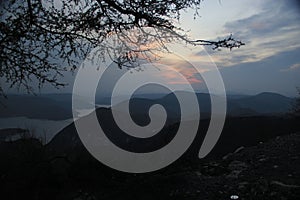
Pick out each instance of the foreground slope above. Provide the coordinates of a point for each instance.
(269, 170)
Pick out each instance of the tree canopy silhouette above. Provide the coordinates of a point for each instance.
(42, 38)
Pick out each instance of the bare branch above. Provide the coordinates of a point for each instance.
(39, 40)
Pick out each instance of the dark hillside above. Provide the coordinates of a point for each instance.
(268, 170)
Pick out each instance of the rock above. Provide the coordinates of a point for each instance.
(284, 185)
(227, 156)
(236, 168)
(234, 197)
(243, 184)
(239, 149)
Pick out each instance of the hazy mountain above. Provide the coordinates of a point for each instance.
(33, 107)
(60, 142)
(59, 106)
(237, 105)
(64, 99)
(106, 100)
(237, 131)
(248, 122)
(266, 103)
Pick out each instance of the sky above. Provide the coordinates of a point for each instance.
(270, 59)
(269, 62)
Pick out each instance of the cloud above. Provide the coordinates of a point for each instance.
(183, 68)
(272, 30)
(264, 75)
(291, 68)
(295, 66)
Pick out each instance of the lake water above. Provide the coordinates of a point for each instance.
(45, 129)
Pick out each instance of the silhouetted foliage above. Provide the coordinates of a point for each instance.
(42, 38)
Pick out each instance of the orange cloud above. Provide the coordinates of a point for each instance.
(189, 73)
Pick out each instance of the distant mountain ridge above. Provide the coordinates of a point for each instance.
(59, 106)
(266, 103)
(263, 104)
(33, 107)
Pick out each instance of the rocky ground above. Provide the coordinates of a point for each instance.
(269, 170)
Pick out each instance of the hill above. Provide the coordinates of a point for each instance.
(237, 131)
(266, 103)
(269, 170)
(33, 107)
(59, 106)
